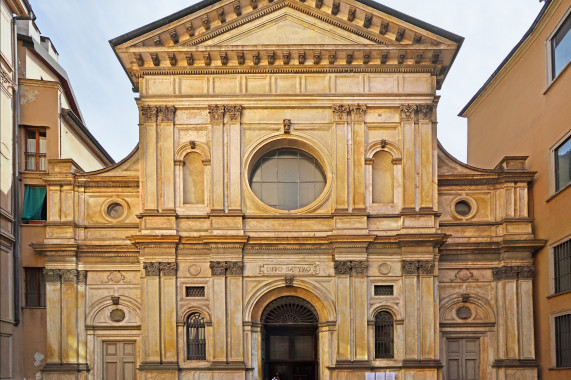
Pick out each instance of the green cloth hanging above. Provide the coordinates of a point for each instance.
(34, 203)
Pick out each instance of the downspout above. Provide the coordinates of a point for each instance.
(16, 174)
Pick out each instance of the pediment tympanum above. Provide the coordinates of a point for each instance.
(291, 35)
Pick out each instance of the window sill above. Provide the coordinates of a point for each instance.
(556, 368)
(34, 223)
(559, 294)
(34, 307)
(566, 187)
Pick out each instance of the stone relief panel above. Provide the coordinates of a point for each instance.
(121, 206)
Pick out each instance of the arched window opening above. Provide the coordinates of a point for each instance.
(193, 179)
(383, 177)
(384, 336)
(195, 337)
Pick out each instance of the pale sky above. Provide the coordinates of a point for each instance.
(80, 31)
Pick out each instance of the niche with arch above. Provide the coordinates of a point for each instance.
(383, 178)
(193, 179)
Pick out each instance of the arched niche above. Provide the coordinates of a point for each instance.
(383, 173)
(465, 310)
(104, 314)
(192, 166)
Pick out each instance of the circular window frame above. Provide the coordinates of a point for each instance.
(286, 142)
(473, 206)
(108, 202)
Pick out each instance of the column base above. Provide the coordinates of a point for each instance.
(71, 371)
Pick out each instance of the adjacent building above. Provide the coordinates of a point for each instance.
(41, 120)
(523, 109)
(288, 209)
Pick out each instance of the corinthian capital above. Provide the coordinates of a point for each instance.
(340, 111)
(167, 113)
(234, 111)
(407, 112)
(358, 111)
(216, 113)
(149, 114)
(425, 111)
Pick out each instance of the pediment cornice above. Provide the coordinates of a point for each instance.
(183, 46)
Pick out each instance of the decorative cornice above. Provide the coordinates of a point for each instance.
(357, 268)
(415, 267)
(513, 272)
(149, 114)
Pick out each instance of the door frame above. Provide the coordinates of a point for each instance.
(118, 341)
(446, 335)
(95, 353)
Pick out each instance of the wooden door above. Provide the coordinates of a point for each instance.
(119, 360)
(463, 359)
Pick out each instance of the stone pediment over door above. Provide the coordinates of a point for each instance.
(289, 35)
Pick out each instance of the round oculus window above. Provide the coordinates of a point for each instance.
(463, 208)
(115, 210)
(287, 179)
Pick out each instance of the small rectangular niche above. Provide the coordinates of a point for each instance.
(383, 290)
(194, 291)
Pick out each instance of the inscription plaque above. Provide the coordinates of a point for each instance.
(296, 269)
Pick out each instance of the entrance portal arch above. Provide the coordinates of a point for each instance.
(290, 339)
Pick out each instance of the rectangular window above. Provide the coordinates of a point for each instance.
(563, 340)
(383, 290)
(562, 261)
(563, 165)
(561, 47)
(194, 291)
(35, 150)
(35, 206)
(35, 294)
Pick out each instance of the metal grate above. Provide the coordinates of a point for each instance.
(562, 260)
(194, 291)
(563, 340)
(195, 337)
(384, 290)
(384, 335)
(289, 310)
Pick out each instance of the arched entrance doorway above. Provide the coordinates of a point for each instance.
(289, 345)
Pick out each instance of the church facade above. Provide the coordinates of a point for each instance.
(289, 210)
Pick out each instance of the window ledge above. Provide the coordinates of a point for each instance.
(559, 294)
(33, 307)
(568, 186)
(556, 368)
(37, 223)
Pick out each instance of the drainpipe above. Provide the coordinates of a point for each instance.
(16, 171)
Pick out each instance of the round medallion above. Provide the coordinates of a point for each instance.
(384, 268)
(193, 270)
(117, 315)
(463, 312)
(115, 210)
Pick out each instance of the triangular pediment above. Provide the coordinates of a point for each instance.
(330, 35)
(287, 27)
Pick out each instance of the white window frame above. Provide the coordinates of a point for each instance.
(551, 167)
(552, 348)
(549, 51)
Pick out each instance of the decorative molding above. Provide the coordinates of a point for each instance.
(425, 111)
(289, 281)
(216, 112)
(415, 267)
(149, 114)
(168, 269)
(117, 315)
(464, 312)
(151, 268)
(82, 277)
(513, 272)
(351, 267)
(464, 275)
(287, 126)
(167, 113)
(407, 112)
(236, 268)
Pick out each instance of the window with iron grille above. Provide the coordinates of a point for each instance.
(563, 340)
(383, 290)
(35, 150)
(384, 335)
(562, 261)
(35, 291)
(195, 337)
(194, 291)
